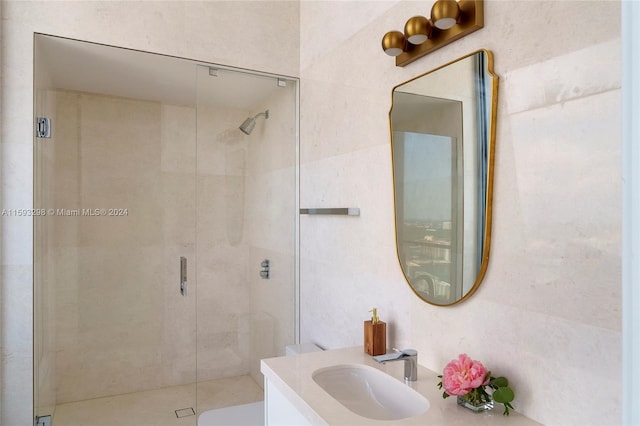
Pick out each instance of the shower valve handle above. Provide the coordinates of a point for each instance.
(183, 275)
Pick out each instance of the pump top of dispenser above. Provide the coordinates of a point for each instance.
(375, 335)
(374, 316)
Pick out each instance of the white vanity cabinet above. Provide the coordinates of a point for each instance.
(279, 410)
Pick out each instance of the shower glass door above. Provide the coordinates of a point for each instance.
(246, 229)
(115, 310)
(166, 257)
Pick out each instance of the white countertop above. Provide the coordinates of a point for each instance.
(292, 376)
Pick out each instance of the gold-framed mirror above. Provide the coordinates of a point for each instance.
(442, 143)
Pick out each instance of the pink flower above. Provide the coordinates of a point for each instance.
(462, 375)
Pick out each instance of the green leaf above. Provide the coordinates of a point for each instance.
(445, 395)
(503, 395)
(500, 382)
(507, 407)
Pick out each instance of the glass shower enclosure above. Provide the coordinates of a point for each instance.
(165, 238)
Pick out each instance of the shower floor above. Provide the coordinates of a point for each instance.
(158, 407)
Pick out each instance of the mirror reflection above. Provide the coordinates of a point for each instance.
(442, 137)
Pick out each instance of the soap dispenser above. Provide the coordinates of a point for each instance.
(375, 335)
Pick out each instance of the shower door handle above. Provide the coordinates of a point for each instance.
(183, 275)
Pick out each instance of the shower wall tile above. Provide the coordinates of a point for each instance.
(271, 209)
(67, 157)
(157, 214)
(272, 302)
(219, 356)
(270, 228)
(271, 141)
(220, 142)
(178, 139)
(178, 325)
(137, 134)
(222, 294)
(62, 273)
(270, 215)
(216, 221)
(263, 344)
(177, 207)
(66, 296)
(135, 203)
(43, 268)
(122, 279)
(120, 167)
(223, 289)
(117, 324)
(117, 285)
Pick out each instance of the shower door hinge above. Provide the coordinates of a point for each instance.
(43, 127)
(43, 421)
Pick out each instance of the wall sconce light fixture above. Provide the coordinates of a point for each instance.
(449, 21)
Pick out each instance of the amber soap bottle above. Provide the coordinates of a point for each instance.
(375, 335)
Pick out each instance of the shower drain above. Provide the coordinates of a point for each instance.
(185, 412)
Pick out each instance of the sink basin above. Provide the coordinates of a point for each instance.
(370, 393)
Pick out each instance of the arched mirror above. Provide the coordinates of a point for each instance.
(442, 140)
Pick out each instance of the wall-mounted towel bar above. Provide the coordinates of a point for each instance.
(346, 211)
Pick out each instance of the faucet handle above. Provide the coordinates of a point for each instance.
(387, 357)
(406, 352)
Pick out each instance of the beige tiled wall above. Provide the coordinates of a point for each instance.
(271, 234)
(548, 312)
(116, 300)
(45, 251)
(222, 251)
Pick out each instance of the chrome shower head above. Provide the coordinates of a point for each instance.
(250, 123)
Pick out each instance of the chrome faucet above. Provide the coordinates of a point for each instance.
(410, 358)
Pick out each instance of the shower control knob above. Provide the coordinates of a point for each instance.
(264, 273)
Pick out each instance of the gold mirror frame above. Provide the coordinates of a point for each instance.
(488, 197)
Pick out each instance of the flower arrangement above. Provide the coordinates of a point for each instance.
(469, 380)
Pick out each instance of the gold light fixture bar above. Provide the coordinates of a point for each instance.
(470, 19)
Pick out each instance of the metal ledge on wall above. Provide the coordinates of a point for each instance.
(344, 211)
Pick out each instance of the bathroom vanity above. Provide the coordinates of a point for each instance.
(305, 390)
